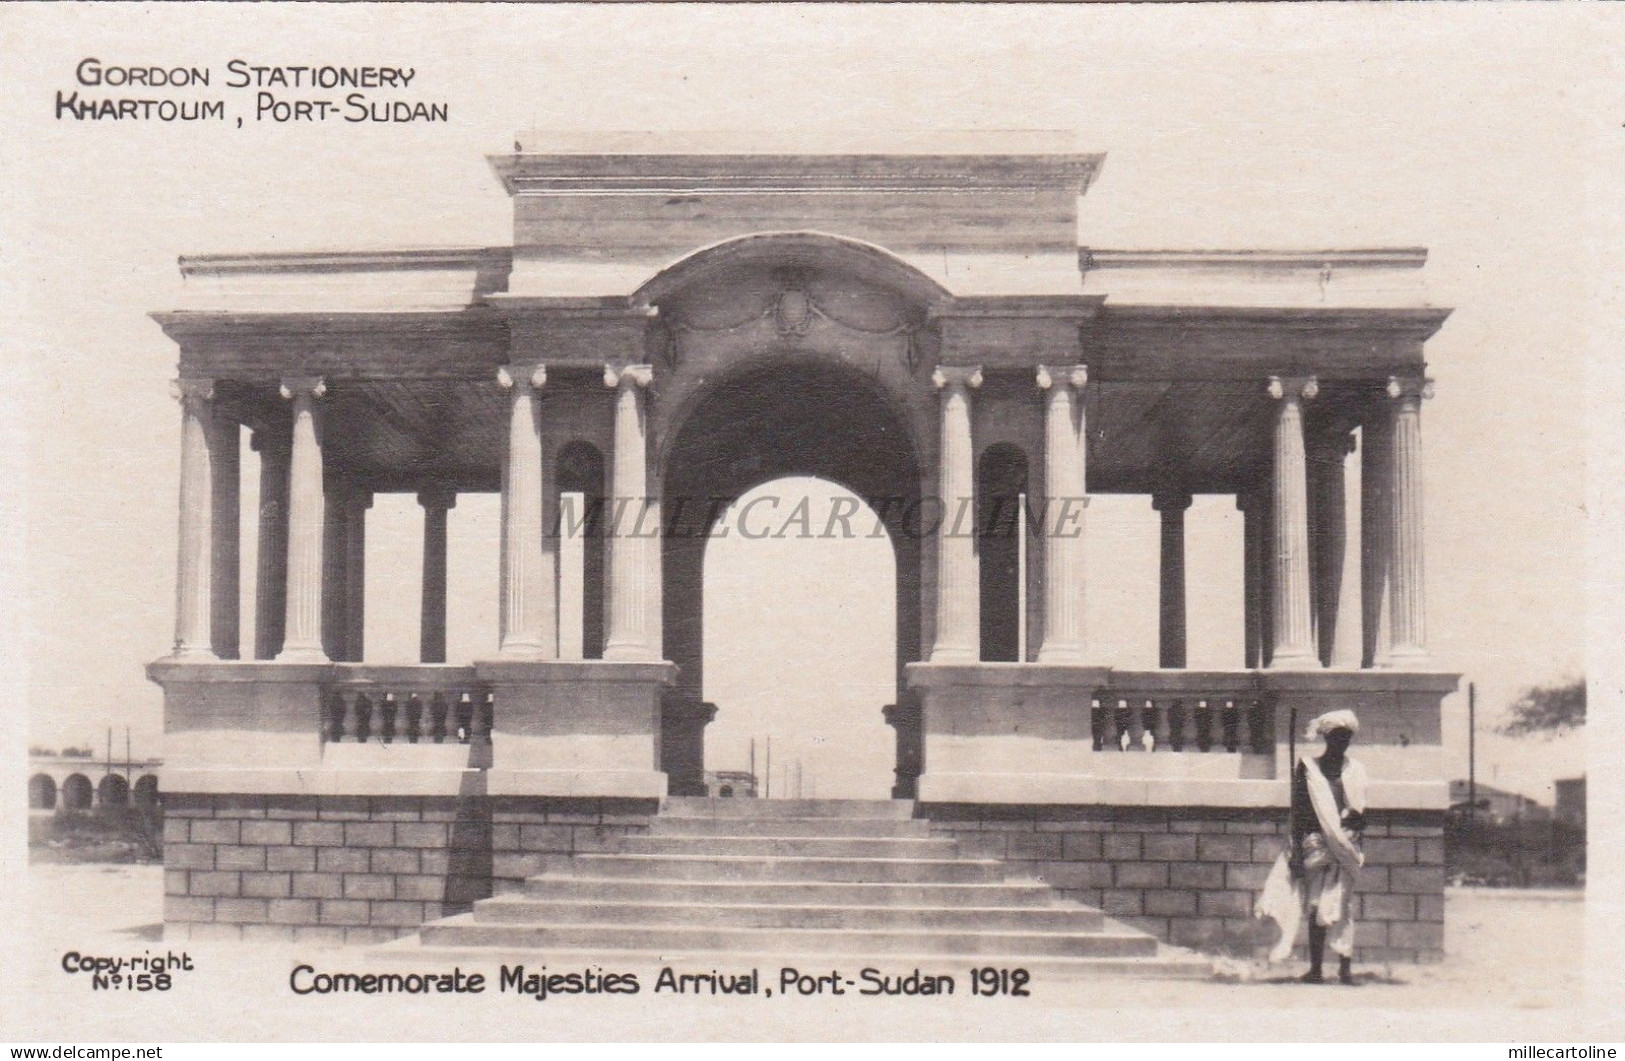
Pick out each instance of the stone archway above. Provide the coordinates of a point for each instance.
(77, 792)
(42, 792)
(777, 417)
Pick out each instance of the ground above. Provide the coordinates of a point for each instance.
(1515, 958)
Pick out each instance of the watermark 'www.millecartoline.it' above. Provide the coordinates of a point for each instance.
(775, 516)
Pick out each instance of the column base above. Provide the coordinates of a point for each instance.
(302, 654)
(1062, 655)
(1303, 660)
(1406, 658)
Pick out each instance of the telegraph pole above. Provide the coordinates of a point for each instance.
(1472, 754)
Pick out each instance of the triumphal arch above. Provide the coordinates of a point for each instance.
(678, 322)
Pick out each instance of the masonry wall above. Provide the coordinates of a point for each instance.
(362, 869)
(1190, 875)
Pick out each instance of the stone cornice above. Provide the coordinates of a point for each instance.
(1004, 307)
(1376, 257)
(1418, 322)
(271, 262)
(793, 173)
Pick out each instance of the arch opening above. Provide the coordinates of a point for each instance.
(833, 434)
(77, 792)
(42, 792)
(113, 791)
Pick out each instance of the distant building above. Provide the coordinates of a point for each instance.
(726, 783)
(76, 782)
(1571, 801)
(1499, 805)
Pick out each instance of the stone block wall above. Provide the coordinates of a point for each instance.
(362, 869)
(1190, 875)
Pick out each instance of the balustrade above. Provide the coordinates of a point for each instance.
(407, 705)
(1165, 721)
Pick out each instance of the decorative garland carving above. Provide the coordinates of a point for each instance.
(792, 312)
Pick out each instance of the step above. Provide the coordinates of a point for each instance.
(546, 911)
(702, 807)
(862, 893)
(1166, 964)
(463, 929)
(794, 846)
(785, 868)
(690, 825)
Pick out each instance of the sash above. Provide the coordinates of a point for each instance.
(1338, 841)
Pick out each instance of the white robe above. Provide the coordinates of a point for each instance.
(1328, 890)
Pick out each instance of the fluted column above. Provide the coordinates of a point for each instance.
(272, 440)
(1065, 478)
(193, 586)
(1407, 580)
(1294, 647)
(437, 504)
(1172, 504)
(632, 600)
(527, 587)
(225, 571)
(958, 579)
(335, 555)
(306, 516)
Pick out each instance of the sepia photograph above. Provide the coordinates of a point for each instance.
(796, 522)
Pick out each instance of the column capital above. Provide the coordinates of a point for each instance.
(952, 376)
(1293, 388)
(314, 386)
(191, 390)
(441, 497)
(628, 375)
(1074, 376)
(1171, 500)
(1409, 388)
(521, 375)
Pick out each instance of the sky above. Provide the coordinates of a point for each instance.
(1472, 131)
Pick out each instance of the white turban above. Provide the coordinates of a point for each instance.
(1344, 719)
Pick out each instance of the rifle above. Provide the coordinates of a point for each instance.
(1292, 854)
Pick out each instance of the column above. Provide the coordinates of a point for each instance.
(1172, 504)
(1293, 632)
(355, 575)
(306, 515)
(437, 504)
(273, 441)
(958, 580)
(572, 561)
(1407, 581)
(1376, 469)
(1337, 629)
(1065, 490)
(632, 600)
(225, 453)
(193, 592)
(527, 587)
(1250, 502)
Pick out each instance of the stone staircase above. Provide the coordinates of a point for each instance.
(746, 880)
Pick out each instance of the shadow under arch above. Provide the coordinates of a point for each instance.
(783, 417)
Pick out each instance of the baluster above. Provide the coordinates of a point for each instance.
(363, 718)
(414, 718)
(1176, 725)
(1204, 725)
(1245, 722)
(484, 715)
(465, 718)
(337, 708)
(1229, 717)
(1262, 719)
(1097, 723)
(387, 708)
(437, 717)
(1125, 723)
(1161, 724)
(1136, 726)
